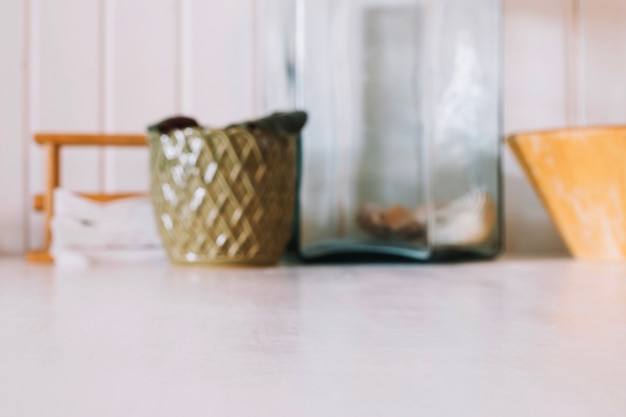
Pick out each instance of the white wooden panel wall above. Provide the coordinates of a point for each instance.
(65, 88)
(142, 86)
(603, 53)
(12, 126)
(536, 97)
(68, 78)
(222, 66)
(118, 65)
(126, 64)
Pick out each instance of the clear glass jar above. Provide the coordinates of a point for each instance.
(402, 152)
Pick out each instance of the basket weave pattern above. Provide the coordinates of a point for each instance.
(223, 196)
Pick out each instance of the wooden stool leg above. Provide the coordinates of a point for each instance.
(53, 180)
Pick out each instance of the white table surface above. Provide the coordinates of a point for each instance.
(512, 338)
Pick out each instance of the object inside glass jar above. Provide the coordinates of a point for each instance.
(468, 220)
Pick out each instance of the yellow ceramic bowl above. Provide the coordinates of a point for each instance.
(580, 174)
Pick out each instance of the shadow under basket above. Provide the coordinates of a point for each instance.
(580, 175)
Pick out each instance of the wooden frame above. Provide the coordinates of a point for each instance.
(53, 144)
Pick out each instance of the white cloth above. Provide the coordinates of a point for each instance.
(80, 258)
(87, 232)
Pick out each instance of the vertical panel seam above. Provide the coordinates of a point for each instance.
(33, 100)
(184, 57)
(573, 64)
(102, 22)
(26, 120)
(581, 63)
(108, 83)
(256, 70)
(178, 53)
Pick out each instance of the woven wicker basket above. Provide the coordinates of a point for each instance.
(224, 196)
